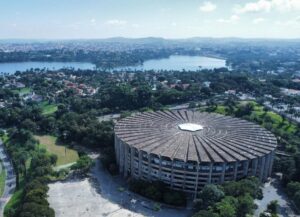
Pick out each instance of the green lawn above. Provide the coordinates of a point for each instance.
(4, 138)
(64, 154)
(22, 91)
(2, 180)
(277, 120)
(14, 201)
(47, 108)
(220, 109)
(259, 113)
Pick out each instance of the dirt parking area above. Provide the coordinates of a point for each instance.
(79, 198)
(101, 196)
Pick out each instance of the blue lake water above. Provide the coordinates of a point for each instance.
(174, 62)
(178, 62)
(23, 66)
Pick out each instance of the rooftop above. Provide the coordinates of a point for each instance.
(194, 136)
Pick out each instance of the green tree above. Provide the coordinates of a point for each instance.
(36, 210)
(83, 164)
(227, 207)
(209, 195)
(245, 205)
(273, 206)
(297, 198)
(205, 213)
(292, 188)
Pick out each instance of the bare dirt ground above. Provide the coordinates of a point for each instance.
(79, 198)
(273, 191)
(101, 196)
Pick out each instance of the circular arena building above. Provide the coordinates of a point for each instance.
(187, 149)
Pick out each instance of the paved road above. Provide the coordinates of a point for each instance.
(10, 182)
(272, 191)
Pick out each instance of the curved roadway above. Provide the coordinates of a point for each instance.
(10, 181)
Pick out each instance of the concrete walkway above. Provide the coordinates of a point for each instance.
(65, 166)
(10, 182)
(273, 191)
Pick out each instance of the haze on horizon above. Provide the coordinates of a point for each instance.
(76, 19)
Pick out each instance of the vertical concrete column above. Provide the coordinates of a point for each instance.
(245, 167)
(126, 161)
(132, 153)
(140, 163)
(271, 162)
(210, 173)
(197, 177)
(122, 156)
(117, 146)
(267, 166)
(255, 164)
(235, 170)
(149, 167)
(261, 168)
(172, 175)
(159, 171)
(223, 172)
(184, 176)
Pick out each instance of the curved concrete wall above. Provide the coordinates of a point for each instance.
(187, 176)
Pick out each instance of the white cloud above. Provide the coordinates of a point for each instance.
(207, 7)
(286, 5)
(116, 22)
(92, 21)
(135, 25)
(258, 20)
(233, 19)
(292, 22)
(174, 24)
(261, 5)
(268, 5)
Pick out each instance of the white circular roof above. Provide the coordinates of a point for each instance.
(190, 127)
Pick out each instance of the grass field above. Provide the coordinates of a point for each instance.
(14, 201)
(220, 109)
(22, 91)
(64, 155)
(47, 108)
(259, 114)
(2, 180)
(277, 120)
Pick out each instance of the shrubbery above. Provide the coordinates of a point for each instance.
(233, 199)
(158, 191)
(108, 159)
(293, 190)
(83, 164)
(31, 180)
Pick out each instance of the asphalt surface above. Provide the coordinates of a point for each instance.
(10, 182)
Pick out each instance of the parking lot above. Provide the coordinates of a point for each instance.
(102, 195)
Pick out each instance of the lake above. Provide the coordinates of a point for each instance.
(11, 68)
(178, 62)
(174, 62)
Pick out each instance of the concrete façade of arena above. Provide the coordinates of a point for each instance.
(187, 149)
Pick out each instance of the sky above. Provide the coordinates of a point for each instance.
(84, 19)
